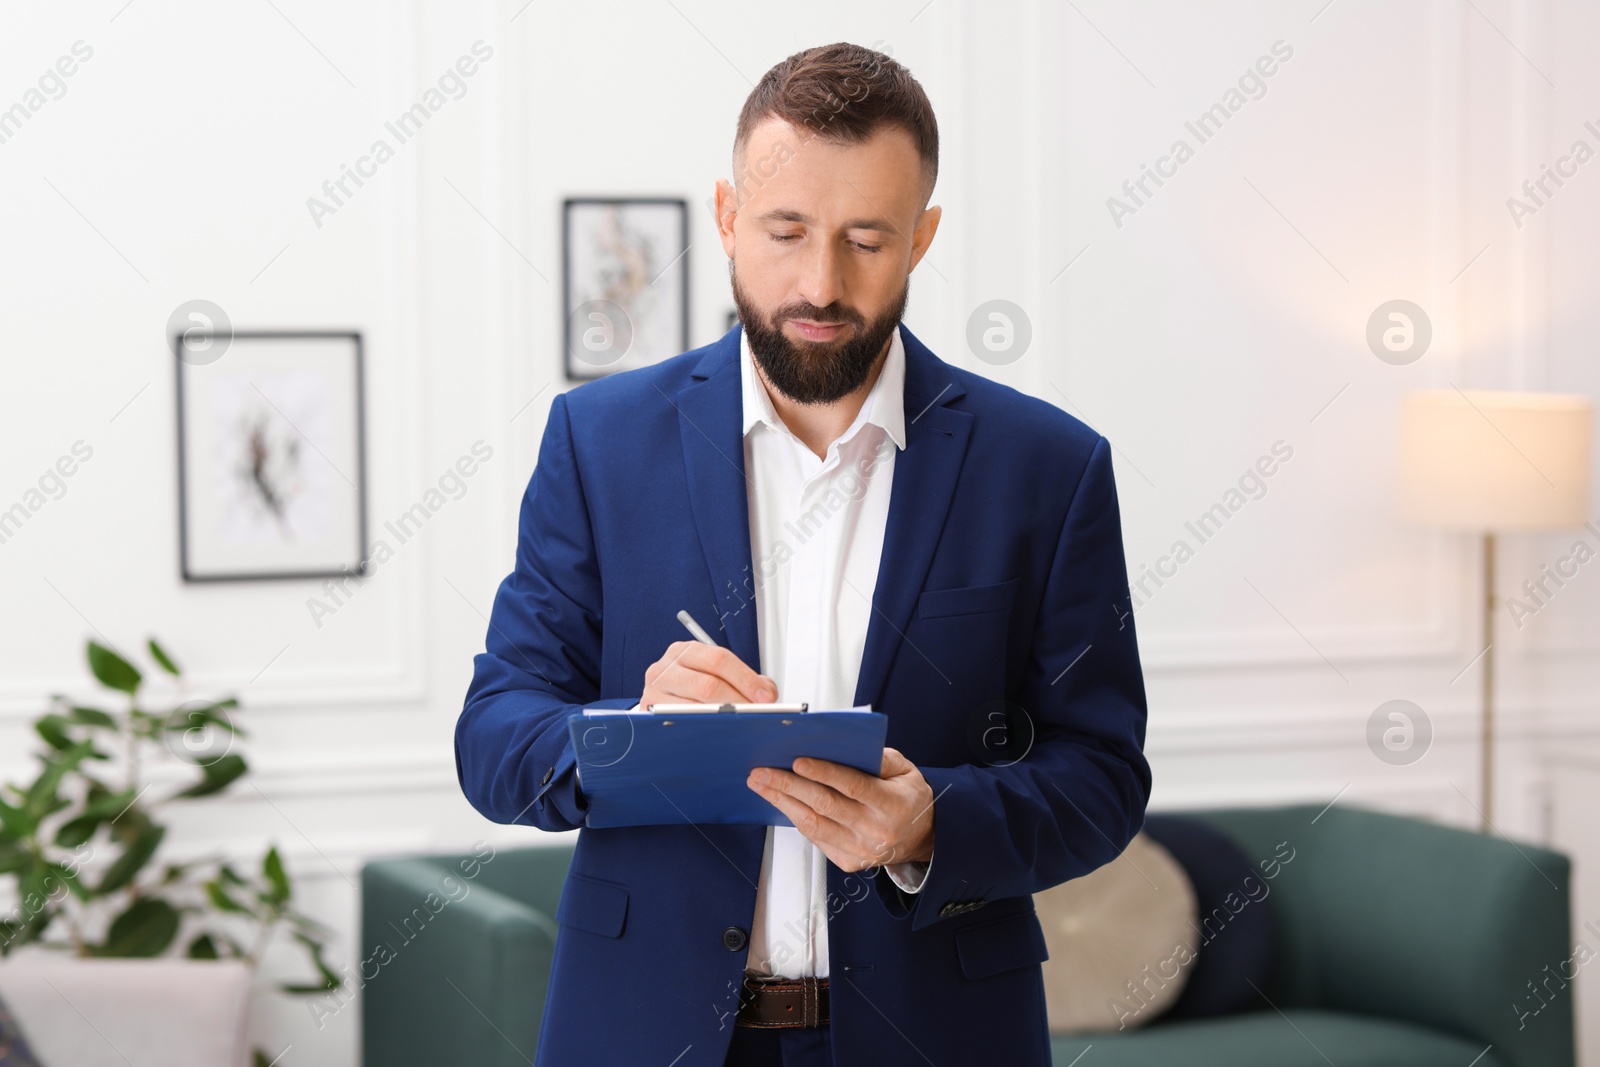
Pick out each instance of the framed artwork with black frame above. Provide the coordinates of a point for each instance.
(625, 283)
(271, 455)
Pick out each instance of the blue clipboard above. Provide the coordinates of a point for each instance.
(645, 769)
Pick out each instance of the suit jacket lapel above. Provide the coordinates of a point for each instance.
(924, 483)
(710, 414)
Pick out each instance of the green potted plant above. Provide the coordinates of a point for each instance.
(82, 841)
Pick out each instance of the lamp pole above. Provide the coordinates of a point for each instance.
(1488, 679)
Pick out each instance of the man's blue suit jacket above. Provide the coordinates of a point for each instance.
(1001, 646)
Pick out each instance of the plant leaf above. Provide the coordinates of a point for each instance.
(36, 890)
(13, 857)
(93, 717)
(329, 978)
(308, 926)
(110, 805)
(159, 654)
(203, 948)
(41, 798)
(16, 934)
(71, 880)
(112, 670)
(203, 713)
(222, 901)
(75, 832)
(272, 868)
(173, 872)
(133, 858)
(218, 776)
(143, 931)
(14, 820)
(53, 728)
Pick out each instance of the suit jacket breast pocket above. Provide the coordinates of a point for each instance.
(966, 600)
(961, 637)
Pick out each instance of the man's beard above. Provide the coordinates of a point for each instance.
(816, 372)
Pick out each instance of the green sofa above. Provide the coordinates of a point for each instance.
(1400, 943)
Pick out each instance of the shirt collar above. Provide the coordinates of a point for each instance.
(885, 405)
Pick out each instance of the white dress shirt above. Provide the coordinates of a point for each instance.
(816, 535)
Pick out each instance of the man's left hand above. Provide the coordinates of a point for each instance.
(857, 820)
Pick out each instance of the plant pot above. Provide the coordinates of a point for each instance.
(112, 1012)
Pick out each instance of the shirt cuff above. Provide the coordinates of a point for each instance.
(909, 876)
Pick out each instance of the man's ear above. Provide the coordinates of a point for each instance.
(727, 206)
(922, 236)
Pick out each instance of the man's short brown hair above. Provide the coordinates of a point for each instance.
(843, 93)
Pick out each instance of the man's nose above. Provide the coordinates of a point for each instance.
(820, 282)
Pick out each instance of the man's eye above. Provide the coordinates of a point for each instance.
(867, 248)
(785, 237)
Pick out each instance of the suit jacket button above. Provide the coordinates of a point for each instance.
(546, 779)
(733, 939)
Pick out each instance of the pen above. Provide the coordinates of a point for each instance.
(694, 628)
(704, 638)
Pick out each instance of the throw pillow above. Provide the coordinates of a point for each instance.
(1122, 941)
(1237, 939)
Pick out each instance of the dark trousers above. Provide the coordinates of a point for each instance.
(780, 1047)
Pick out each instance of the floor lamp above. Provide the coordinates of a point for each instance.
(1494, 462)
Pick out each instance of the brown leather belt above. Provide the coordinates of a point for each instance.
(783, 1002)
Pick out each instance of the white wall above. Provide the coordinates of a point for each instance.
(1227, 313)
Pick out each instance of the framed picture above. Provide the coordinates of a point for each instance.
(271, 459)
(625, 283)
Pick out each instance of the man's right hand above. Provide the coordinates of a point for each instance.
(693, 672)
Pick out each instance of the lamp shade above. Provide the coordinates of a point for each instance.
(1489, 460)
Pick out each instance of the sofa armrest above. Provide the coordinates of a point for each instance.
(1399, 917)
(452, 971)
